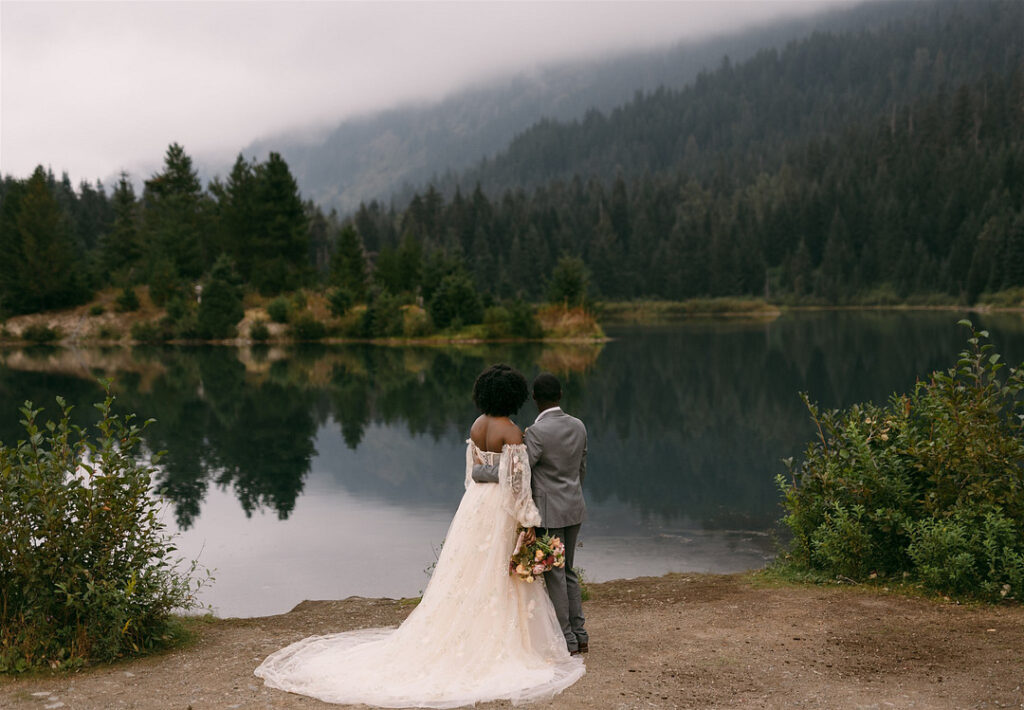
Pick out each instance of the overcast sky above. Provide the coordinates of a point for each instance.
(94, 87)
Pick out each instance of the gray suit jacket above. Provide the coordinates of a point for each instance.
(557, 446)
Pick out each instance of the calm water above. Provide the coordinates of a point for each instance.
(325, 472)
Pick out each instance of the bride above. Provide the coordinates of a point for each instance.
(478, 634)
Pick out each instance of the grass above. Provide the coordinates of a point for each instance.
(565, 323)
(652, 312)
(183, 631)
(1008, 298)
(783, 573)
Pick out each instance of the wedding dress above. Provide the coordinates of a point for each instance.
(477, 635)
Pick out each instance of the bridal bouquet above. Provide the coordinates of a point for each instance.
(530, 561)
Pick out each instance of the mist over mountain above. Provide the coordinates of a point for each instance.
(870, 165)
(756, 110)
(380, 154)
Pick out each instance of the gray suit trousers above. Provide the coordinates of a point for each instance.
(564, 589)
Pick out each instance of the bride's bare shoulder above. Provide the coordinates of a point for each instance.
(514, 435)
(494, 433)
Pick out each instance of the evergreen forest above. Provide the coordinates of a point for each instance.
(876, 165)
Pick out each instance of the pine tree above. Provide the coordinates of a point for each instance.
(173, 215)
(44, 268)
(569, 282)
(348, 263)
(280, 242)
(220, 307)
(121, 246)
(237, 205)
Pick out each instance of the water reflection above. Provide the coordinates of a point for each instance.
(687, 425)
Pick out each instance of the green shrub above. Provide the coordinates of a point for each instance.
(279, 310)
(86, 572)
(523, 321)
(97, 309)
(515, 320)
(259, 330)
(220, 307)
(929, 486)
(307, 327)
(39, 333)
(585, 593)
(416, 323)
(496, 322)
(383, 317)
(149, 332)
(569, 281)
(456, 303)
(339, 301)
(127, 300)
(164, 282)
(108, 332)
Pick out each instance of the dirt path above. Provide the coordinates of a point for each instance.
(680, 641)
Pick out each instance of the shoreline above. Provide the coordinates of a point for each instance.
(675, 313)
(677, 641)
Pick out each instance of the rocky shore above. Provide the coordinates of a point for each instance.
(679, 641)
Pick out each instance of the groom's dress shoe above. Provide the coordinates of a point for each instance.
(584, 647)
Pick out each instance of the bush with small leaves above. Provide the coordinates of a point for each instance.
(416, 323)
(220, 307)
(87, 571)
(339, 301)
(929, 486)
(307, 327)
(108, 332)
(523, 322)
(127, 300)
(456, 302)
(569, 281)
(383, 317)
(150, 332)
(39, 333)
(259, 330)
(97, 309)
(496, 322)
(279, 310)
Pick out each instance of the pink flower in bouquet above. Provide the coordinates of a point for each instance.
(538, 555)
(538, 569)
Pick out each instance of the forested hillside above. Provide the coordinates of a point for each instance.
(868, 166)
(379, 155)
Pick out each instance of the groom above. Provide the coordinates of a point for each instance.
(557, 446)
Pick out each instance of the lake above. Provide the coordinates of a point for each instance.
(322, 472)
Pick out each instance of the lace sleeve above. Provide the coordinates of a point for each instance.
(469, 462)
(514, 478)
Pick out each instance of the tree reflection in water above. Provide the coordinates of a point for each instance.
(687, 422)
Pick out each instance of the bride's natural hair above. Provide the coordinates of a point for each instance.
(500, 391)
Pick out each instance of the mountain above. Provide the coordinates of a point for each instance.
(756, 109)
(379, 154)
(869, 165)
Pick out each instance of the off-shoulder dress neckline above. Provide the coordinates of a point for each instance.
(487, 451)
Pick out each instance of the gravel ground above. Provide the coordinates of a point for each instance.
(679, 641)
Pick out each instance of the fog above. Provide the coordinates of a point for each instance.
(91, 88)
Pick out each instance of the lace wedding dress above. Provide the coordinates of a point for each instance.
(477, 635)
